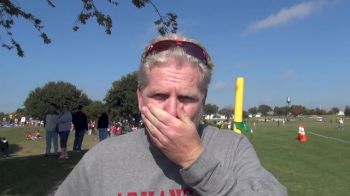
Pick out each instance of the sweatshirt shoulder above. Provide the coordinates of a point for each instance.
(117, 147)
(214, 134)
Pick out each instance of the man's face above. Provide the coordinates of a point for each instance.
(171, 86)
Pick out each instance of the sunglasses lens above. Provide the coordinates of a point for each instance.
(190, 48)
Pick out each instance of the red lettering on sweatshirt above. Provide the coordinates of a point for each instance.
(187, 191)
(177, 191)
(149, 193)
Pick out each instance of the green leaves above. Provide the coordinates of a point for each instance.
(8, 11)
(140, 3)
(59, 93)
(167, 24)
(121, 99)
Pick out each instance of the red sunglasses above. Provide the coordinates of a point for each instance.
(190, 48)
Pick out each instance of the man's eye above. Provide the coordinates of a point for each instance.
(186, 99)
(159, 96)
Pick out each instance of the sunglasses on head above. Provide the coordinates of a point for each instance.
(190, 48)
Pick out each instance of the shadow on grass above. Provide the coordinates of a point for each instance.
(34, 175)
(14, 148)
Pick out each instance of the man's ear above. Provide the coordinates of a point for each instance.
(139, 98)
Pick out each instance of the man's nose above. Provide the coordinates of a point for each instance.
(171, 106)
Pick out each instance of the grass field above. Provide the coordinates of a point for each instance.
(321, 166)
(27, 172)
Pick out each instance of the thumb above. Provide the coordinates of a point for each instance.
(183, 116)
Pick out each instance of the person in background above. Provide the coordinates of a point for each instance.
(51, 126)
(64, 125)
(4, 146)
(80, 125)
(174, 154)
(126, 127)
(102, 125)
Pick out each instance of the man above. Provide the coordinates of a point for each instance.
(174, 154)
(4, 146)
(51, 126)
(64, 127)
(80, 125)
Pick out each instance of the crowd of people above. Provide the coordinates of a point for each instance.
(60, 122)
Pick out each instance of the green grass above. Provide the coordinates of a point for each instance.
(318, 167)
(26, 171)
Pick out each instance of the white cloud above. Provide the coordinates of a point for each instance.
(286, 15)
(219, 86)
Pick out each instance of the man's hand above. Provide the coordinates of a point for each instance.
(177, 138)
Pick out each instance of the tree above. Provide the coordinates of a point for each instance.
(310, 111)
(59, 93)
(280, 111)
(9, 10)
(333, 110)
(347, 111)
(264, 109)
(227, 111)
(121, 99)
(320, 111)
(21, 112)
(94, 110)
(210, 109)
(253, 110)
(297, 110)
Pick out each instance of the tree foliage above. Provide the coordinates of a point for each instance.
(21, 112)
(253, 110)
(121, 99)
(210, 109)
(297, 110)
(9, 10)
(333, 110)
(226, 111)
(320, 111)
(94, 110)
(280, 111)
(347, 111)
(59, 93)
(264, 109)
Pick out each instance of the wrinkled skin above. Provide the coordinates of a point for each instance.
(171, 105)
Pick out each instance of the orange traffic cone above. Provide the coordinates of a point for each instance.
(301, 134)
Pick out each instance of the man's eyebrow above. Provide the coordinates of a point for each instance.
(156, 91)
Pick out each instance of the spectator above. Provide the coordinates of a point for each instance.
(51, 127)
(102, 125)
(64, 125)
(80, 125)
(4, 146)
(38, 134)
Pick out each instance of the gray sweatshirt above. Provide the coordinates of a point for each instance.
(129, 165)
(65, 121)
(51, 121)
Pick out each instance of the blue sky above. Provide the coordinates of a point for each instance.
(283, 48)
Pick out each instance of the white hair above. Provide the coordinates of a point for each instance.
(149, 60)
